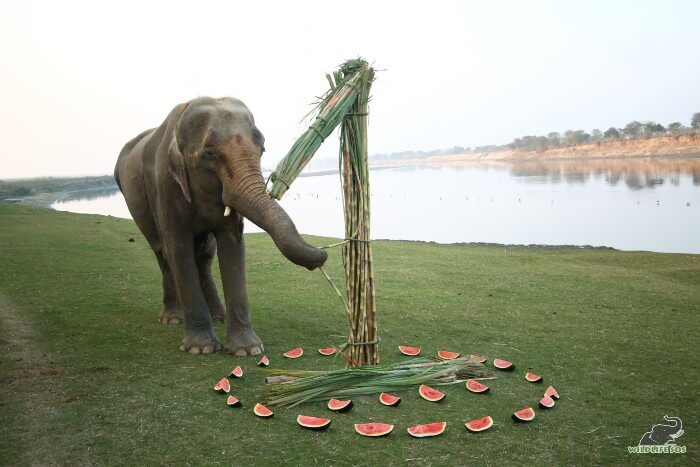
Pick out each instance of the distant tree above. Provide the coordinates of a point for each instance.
(650, 129)
(596, 134)
(632, 130)
(611, 133)
(695, 121)
(572, 138)
(675, 128)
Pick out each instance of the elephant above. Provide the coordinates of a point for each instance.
(661, 434)
(188, 184)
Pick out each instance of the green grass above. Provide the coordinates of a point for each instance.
(88, 375)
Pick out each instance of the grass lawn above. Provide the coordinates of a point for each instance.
(88, 375)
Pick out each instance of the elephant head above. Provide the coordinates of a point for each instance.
(214, 156)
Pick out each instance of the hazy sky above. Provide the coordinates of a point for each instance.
(79, 79)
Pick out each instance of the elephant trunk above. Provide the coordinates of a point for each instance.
(677, 421)
(245, 192)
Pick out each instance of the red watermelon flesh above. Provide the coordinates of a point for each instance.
(389, 399)
(551, 392)
(223, 386)
(262, 411)
(340, 405)
(503, 364)
(430, 394)
(524, 415)
(429, 429)
(313, 423)
(533, 378)
(326, 351)
(233, 401)
(264, 361)
(294, 353)
(446, 355)
(373, 429)
(410, 351)
(546, 402)
(479, 424)
(477, 387)
(237, 372)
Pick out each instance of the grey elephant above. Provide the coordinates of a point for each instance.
(661, 434)
(188, 184)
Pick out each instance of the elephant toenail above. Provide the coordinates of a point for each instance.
(194, 350)
(241, 353)
(255, 351)
(208, 349)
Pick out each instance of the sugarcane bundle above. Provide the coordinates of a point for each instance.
(310, 386)
(346, 102)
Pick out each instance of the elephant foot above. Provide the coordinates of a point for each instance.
(171, 317)
(200, 344)
(244, 343)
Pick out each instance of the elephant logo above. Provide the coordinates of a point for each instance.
(662, 434)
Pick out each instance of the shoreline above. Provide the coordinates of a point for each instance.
(667, 147)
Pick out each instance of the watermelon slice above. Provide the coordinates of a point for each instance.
(479, 424)
(504, 365)
(262, 411)
(294, 353)
(477, 387)
(546, 402)
(264, 361)
(533, 378)
(236, 372)
(410, 351)
(388, 399)
(373, 429)
(313, 423)
(232, 401)
(551, 392)
(340, 406)
(223, 386)
(430, 394)
(478, 358)
(326, 350)
(429, 429)
(524, 415)
(445, 355)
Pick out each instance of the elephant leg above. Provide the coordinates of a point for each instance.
(172, 312)
(199, 331)
(241, 338)
(205, 249)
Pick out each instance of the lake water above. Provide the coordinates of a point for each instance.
(636, 204)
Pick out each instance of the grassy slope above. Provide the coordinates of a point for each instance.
(103, 382)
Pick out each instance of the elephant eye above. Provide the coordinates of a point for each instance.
(210, 155)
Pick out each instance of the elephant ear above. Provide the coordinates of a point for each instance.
(176, 161)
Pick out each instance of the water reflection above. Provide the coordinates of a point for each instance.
(86, 195)
(635, 204)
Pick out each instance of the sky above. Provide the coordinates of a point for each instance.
(80, 79)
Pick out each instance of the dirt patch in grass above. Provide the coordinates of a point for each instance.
(32, 382)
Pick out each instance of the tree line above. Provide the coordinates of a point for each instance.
(632, 131)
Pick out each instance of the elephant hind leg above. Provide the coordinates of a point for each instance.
(205, 249)
(172, 311)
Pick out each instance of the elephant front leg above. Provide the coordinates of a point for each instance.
(241, 339)
(199, 331)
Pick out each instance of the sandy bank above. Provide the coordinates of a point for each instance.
(685, 145)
